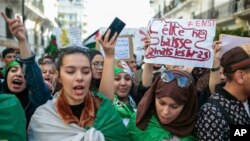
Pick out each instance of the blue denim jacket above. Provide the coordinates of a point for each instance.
(38, 91)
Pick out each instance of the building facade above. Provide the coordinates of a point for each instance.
(38, 18)
(229, 14)
(72, 13)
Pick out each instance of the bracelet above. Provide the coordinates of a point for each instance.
(215, 69)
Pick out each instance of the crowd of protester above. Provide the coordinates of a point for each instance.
(85, 95)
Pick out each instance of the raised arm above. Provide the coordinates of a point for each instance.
(34, 80)
(214, 78)
(107, 86)
(147, 73)
(17, 29)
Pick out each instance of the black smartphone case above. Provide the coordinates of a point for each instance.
(116, 26)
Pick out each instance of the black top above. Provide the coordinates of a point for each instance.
(212, 123)
(204, 95)
(77, 109)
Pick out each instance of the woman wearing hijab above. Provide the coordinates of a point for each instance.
(28, 86)
(117, 84)
(123, 87)
(168, 109)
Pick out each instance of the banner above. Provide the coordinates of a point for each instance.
(184, 42)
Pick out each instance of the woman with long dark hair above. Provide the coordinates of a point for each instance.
(76, 112)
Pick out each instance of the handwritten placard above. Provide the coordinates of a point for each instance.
(123, 48)
(230, 41)
(184, 42)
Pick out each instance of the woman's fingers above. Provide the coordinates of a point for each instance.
(17, 29)
(106, 37)
(113, 39)
(8, 20)
(15, 25)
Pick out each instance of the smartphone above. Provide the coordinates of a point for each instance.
(116, 26)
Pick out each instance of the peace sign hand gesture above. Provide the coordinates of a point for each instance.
(16, 27)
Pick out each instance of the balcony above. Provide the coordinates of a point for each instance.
(38, 4)
(175, 6)
(210, 14)
(227, 11)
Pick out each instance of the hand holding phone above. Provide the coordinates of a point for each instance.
(116, 26)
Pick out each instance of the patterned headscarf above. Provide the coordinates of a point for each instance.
(183, 125)
(122, 67)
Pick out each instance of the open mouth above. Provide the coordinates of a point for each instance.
(79, 90)
(47, 79)
(17, 82)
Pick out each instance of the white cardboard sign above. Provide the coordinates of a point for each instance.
(184, 42)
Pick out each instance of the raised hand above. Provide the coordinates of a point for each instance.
(16, 27)
(107, 81)
(147, 43)
(214, 77)
(216, 47)
(108, 46)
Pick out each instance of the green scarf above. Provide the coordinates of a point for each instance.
(153, 132)
(124, 110)
(12, 64)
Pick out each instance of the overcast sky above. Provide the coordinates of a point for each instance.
(135, 13)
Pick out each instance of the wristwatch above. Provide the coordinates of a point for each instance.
(215, 69)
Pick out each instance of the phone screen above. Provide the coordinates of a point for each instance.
(116, 26)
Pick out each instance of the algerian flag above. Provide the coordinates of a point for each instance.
(90, 42)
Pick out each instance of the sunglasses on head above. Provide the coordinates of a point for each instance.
(182, 81)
